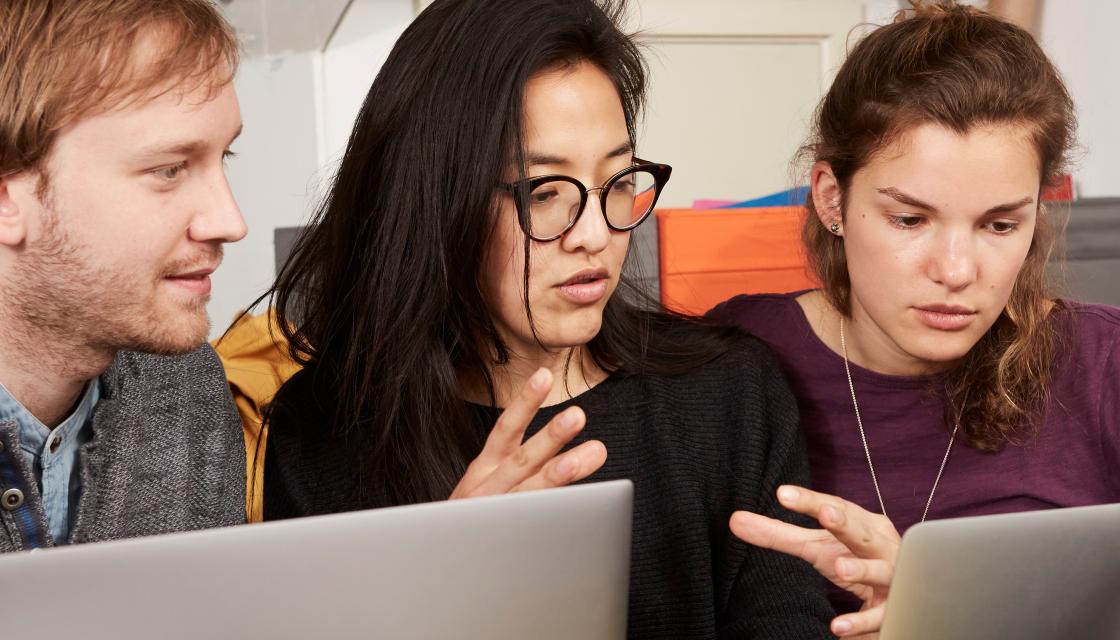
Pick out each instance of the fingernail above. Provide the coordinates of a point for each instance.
(841, 626)
(787, 494)
(845, 568)
(537, 379)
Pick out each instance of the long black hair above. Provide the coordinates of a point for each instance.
(381, 298)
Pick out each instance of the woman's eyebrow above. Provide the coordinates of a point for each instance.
(623, 149)
(905, 199)
(1010, 206)
(537, 158)
(909, 200)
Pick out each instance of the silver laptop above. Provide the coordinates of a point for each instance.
(1044, 575)
(545, 565)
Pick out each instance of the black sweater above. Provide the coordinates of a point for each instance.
(696, 446)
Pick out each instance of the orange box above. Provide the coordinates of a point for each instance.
(708, 256)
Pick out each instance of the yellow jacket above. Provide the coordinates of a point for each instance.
(257, 363)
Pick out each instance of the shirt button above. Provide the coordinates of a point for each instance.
(11, 499)
(55, 442)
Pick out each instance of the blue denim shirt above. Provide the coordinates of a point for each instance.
(52, 454)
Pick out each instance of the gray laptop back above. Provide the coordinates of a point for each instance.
(544, 565)
(1044, 575)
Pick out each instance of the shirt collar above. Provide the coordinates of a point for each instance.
(33, 434)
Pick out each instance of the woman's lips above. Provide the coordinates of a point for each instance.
(586, 287)
(585, 293)
(945, 318)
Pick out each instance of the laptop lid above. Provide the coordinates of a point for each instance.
(1042, 575)
(547, 565)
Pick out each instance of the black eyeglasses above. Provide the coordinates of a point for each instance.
(549, 206)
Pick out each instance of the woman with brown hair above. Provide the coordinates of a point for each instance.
(935, 372)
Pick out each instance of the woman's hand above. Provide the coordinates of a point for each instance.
(507, 464)
(856, 550)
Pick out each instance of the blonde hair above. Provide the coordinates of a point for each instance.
(960, 68)
(63, 59)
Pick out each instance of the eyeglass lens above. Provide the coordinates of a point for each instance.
(555, 204)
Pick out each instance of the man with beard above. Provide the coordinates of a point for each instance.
(115, 417)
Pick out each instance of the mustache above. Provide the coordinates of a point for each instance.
(205, 259)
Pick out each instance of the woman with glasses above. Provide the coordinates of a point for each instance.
(469, 259)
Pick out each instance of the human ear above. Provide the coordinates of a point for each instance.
(13, 221)
(827, 197)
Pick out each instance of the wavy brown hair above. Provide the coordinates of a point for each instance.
(959, 68)
(65, 59)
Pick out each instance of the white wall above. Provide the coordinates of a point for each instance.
(298, 110)
(352, 58)
(273, 176)
(1079, 36)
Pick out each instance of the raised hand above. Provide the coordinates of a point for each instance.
(856, 550)
(509, 463)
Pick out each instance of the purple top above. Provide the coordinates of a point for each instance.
(1074, 460)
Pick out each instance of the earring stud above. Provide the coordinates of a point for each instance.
(835, 228)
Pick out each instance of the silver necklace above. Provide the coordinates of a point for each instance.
(863, 436)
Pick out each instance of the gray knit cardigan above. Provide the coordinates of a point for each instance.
(166, 454)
